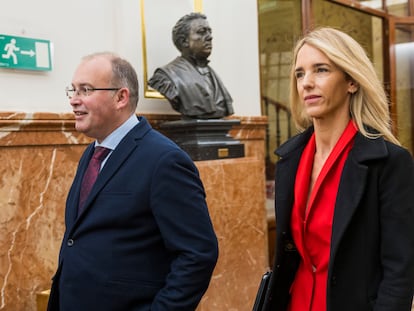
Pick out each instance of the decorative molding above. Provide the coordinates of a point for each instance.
(162, 29)
(21, 129)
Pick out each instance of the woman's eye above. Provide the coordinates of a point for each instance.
(298, 75)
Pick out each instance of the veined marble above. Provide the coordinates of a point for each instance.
(39, 155)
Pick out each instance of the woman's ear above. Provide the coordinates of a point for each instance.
(353, 87)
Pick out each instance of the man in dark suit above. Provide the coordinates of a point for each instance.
(191, 86)
(143, 238)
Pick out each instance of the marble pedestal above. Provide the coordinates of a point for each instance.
(205, 139)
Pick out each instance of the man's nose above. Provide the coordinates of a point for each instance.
(74, 100)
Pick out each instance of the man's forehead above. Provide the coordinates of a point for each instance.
(91, 70)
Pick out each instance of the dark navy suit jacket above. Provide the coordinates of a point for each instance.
(144, 240)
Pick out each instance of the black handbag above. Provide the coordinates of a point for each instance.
(259, 302)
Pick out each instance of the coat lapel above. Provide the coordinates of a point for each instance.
(353, 182)
(351, 187)
(286, 168)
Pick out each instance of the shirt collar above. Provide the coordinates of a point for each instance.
(117, 135)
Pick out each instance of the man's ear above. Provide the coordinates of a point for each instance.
(122, 98)
(185, 43)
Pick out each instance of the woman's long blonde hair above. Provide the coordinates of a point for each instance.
(369, 105)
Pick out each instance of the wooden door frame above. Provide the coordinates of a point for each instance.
(393, 21)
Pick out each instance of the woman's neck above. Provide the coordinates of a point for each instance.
(327, 135)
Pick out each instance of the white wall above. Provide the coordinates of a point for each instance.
(80, 27)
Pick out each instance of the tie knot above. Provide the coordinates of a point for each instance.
(100, 153)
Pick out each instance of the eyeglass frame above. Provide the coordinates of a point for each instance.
(87, 90)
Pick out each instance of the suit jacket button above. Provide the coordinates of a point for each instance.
(70, 242)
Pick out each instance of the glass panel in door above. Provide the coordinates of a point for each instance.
(403, 47)
(279, 28)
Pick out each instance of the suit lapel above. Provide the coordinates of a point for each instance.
(117, 158)
(73, 196)
(114, 162)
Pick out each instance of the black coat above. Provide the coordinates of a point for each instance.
(372, 246)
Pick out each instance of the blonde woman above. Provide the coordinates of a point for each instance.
(344, 188)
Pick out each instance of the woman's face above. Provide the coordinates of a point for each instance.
(322, 87)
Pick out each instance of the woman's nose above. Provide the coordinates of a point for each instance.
(307, 80)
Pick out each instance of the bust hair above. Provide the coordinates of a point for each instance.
(181, 29)
(369, 105)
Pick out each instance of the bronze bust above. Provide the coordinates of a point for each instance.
(189, 84)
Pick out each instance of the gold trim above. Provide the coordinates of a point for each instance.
(144, 49)
(198, 6)
(148, 92)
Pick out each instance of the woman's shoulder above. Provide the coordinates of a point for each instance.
(366, 149)
(293, 143)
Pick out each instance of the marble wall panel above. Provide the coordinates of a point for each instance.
(39, 155)
(236, 200)
(33, 185)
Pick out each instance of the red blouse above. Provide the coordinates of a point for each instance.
(312, 231)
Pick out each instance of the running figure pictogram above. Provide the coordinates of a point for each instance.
(10, 48)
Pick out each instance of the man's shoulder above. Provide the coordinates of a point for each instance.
(152, 137)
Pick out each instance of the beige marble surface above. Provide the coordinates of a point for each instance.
(39, 155)
(236, 202)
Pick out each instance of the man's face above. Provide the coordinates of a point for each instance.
(199, 39)
(95, 115)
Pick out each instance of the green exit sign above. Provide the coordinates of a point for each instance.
(25, 53)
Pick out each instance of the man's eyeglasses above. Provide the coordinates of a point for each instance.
(83, 91)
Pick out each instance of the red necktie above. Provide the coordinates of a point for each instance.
(91, 173)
